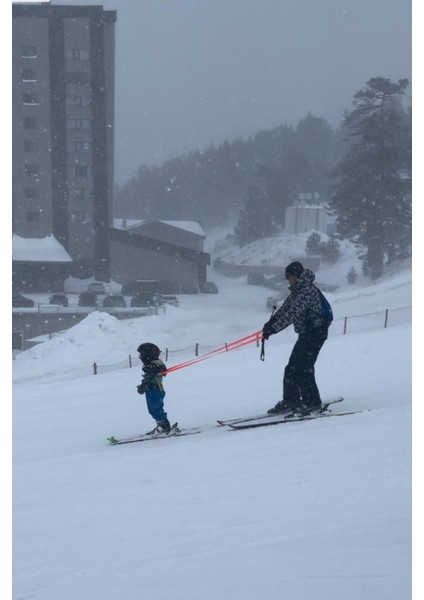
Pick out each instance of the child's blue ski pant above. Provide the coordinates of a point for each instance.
(154, 399)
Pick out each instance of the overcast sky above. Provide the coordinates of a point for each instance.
(193, 72)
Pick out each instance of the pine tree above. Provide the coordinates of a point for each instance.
(313, 243)
(255, 221)
(372, 195)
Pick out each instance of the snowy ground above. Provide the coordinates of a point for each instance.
(317, 509)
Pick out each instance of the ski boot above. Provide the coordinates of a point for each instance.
(310, 410)
(279, 408)
(163, 426)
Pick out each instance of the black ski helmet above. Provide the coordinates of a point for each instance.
(148, 351)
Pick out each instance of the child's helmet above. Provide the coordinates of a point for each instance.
(148, 351)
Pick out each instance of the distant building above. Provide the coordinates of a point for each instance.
(38, 263)
(63, 130)
(167, 251)
(307, 218)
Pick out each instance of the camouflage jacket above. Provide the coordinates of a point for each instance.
(302, 307)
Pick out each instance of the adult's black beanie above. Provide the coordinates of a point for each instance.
(294, 268)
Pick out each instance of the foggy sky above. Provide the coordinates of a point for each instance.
(194, 72)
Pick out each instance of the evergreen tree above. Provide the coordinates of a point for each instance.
(256, 221)
(372, 195)
(313, 243)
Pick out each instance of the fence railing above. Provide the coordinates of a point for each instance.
(343, 326)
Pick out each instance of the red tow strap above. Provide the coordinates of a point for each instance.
(248, 339)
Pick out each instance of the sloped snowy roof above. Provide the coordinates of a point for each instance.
(190, 226)
(46, 249)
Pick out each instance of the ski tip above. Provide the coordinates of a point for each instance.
(112, 439)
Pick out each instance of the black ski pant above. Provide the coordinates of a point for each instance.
(299, 385)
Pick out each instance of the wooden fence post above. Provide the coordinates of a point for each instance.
(345, 326)
(196, 350)
(95, 368)
(129, 359)
(386, 318)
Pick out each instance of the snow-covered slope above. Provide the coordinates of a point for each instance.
(318, 509)
(284, 248)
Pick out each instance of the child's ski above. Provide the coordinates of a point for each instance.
(174, 432)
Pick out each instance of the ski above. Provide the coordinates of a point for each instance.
(289, 419)
(277, 418)
(175, 431)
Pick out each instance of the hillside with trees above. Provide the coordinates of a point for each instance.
(361, 172)
(272, 167)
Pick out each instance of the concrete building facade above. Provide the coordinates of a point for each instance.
(63, 129)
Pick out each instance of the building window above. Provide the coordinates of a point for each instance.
(78, 77)
(77, 100)
(79, 217)
(29, 75)
(80, 170)
(31, 192)
(30, 146)
(84, 124)
(80, 193)
(29, 98)
(32, 170)
(77, 54)
(29, 51)
(79, 147)
(30, 122)
(32, 215)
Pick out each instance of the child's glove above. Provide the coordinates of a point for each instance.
(142, 387)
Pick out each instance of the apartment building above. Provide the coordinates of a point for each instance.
(63, 131)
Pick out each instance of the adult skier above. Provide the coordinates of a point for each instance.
(151, 385)
(303, 309)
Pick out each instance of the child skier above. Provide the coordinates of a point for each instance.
(151, 385)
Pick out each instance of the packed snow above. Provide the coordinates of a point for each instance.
(318, 509)
(46, 249)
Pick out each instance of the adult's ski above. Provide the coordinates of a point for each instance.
(175, 431)
(277, 418)
(289, 419)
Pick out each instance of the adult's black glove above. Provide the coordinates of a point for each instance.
(267, 331)
(142, 387)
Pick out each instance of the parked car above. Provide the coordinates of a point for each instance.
(209, 287)
(114, 300)
(276, 282)
(146, 299)
(189, 288)
(96, 287)
(171, 300)
(256, 278)
(21, 301)
(87, 299)
(61, 299)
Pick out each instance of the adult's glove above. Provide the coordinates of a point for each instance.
(267, 331)
(142, 387)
